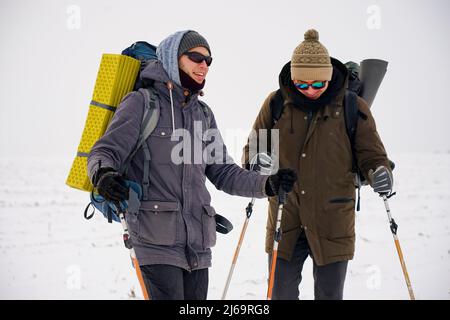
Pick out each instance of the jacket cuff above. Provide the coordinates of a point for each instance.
(266, 178)
(99, 173)
(95, 165)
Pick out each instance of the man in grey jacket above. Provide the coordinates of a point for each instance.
(175, 227)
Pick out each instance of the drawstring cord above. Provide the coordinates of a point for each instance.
(170, 87)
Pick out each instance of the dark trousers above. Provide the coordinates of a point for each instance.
(166, 282)
(328, 279)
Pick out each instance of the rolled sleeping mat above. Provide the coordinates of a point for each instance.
(371, 74)
(116, 77)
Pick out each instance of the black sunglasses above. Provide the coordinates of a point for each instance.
(198, 57)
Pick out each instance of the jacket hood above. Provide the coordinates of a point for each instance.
(336, 87)
(154, 71)
(167, 53)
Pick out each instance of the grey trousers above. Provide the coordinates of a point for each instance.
(328, 279)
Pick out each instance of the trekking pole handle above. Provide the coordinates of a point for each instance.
(126, 234)
(281, 195)
(392, 223)
(249, 209)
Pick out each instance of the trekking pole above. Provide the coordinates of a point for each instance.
(129, 245)
(262, 163)
(248, 212)
(394, 228)
(276, 240)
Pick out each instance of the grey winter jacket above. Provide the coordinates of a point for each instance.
(176, 226)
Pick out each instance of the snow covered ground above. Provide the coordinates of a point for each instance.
(49, 251)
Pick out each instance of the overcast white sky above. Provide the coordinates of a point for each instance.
(49, 61)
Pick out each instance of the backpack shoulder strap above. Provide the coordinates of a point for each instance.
(276, 106)
(150, 119)
(207, 112)
(151, 113)
(351, 114)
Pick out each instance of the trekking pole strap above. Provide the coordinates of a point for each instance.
(86, 216)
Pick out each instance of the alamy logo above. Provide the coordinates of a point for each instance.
(73, 281)
(374, 19)
(73, 21)
(374, 279)
(208, 147)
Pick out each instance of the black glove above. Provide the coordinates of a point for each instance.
(284, 178)
(110, 184)
(382, 181)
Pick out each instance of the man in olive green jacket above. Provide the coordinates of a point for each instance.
(319, 216)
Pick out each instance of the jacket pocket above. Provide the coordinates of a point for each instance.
(338, 218)
(158, 222)
(341, 200)
(209, 226)
(161, 145)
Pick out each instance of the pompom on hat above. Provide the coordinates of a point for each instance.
(310, 60)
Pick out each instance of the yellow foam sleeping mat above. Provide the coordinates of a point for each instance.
(116, 77)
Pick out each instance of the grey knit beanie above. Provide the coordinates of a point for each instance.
(191, 40)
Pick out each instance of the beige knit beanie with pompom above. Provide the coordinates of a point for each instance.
(310, 60)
